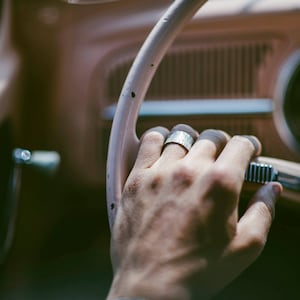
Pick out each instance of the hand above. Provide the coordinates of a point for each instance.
(177, 232)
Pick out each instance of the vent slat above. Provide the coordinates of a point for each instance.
(219, 70)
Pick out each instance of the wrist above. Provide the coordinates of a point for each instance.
(137, 286)
(128, 299)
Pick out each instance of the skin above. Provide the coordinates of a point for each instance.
(177, 232)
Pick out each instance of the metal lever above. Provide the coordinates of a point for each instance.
(45, 161)
(261, 173)
(289, 181)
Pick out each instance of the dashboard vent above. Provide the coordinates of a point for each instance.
(212, 70)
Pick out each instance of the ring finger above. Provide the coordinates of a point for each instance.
(178, 143)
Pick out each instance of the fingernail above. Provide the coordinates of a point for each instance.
(255, 142)
(277, 189)
(270, 194)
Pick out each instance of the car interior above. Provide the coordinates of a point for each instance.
(68, 71)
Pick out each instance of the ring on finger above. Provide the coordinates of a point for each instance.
(181, 138)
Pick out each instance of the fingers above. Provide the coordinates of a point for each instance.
(234, 160)
(150, 147)
(211, 146)
(240, 149)
(251, 235)
(225, 176)
(254, 226)
(261, 209)
(208, 145)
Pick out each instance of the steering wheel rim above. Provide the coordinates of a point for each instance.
(123, 143)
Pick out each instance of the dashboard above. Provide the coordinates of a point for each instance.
(235, 66)
(236, 69)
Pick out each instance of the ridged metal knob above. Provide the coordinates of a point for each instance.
(260, 173)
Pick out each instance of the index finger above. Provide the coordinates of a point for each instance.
(150, 147)
(236, 156)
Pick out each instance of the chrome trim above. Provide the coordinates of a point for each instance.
(289, 181)
(199, 107)
(87, 2)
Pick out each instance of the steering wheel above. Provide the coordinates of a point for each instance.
(123, 144)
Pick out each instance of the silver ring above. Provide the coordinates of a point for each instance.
(181, 138)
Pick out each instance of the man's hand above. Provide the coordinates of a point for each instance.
(177, 233)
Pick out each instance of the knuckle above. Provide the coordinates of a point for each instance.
(250, 245)
(153, 137)
(155, 183)
(223, 191)
(221, 179)
(256, 242)
(264, 209)
(182, 177)
(218, 176)
(185, 169)
(132, 185)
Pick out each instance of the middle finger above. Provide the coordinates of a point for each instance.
(207, 146)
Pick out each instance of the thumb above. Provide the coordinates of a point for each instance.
(254, 226)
